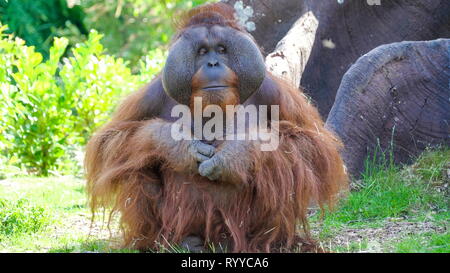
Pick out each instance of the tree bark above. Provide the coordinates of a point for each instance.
(396, 100)
(345, 32)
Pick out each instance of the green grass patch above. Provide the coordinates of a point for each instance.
(46, 215)
(424, 243)
(350, 247)
(56, 193)
(76, 245)
(50, 214)
(22, 217)
(385, 191)
(433, 165)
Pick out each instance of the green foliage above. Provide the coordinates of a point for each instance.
(134, 27)
(433, 165)
(64, 199)
(21, 217)
(50, 104)
(50, 108)
(83, 245)
(424, 243)
(39, 21)
(382, 194)
(386, 190)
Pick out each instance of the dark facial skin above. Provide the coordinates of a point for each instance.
(191, 53)
(212, 53)
(212, 71)
(212, 64)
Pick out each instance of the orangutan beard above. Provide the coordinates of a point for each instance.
(222, 98)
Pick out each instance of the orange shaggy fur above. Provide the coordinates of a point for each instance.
(257, 210)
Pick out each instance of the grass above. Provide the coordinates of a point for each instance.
(392, 209)
(21, 217)
(389, 201)
(66, 225)
(424, 243)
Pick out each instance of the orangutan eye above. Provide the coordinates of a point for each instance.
(202, 51)
(221, 49)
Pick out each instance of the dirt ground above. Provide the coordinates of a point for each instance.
(366, 239)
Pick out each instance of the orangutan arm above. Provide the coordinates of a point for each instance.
(136, 143)
(232, 162)
(307, 154)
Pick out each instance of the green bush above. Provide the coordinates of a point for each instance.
(50, 108)
(133, 27)
(39, 21)
(21, 217)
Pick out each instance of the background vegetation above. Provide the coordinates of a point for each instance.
(393, 210)
(65, 65)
